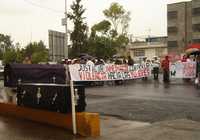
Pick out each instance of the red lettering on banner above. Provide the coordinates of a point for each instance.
(110, 68)
(100, 76)
(112, 72)
(82, 77)
(189, 70)
(123, 68)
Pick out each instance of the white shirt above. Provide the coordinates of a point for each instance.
(91, 64)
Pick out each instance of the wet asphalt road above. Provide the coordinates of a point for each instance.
(148, 101)
(136, 100)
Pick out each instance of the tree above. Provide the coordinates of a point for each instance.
(125, 23)
(34, 47)
(103, 27)
(114, 13)
(110, 36)
(79, 34)
(39, 57)
(5, 43)
(119, 17)
(37, 51)
(101, 47)
(9, 56)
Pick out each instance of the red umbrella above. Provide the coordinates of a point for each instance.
(193, 48)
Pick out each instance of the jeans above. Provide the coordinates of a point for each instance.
(155, 73)
(166, 76)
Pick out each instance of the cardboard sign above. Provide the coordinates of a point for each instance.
(183, 70)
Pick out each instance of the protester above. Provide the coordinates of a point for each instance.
(90, 63)
(27, 60)
(185, 59)
(99, 62)
(198, 68)
(130, 61)
(118, 82)
(82, 60)
(165, 67)
(156, 65)
(144, 62)
(75, 61)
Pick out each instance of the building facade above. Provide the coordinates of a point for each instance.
(183, 26)
(151, 47)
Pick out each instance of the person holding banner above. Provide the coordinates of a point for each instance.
(130, 61)
(165, 67)
(197, 70)
(156, 65)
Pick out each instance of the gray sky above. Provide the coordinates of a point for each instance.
(29, 20)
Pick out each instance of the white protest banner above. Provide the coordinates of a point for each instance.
(183, 70)
(82, 72)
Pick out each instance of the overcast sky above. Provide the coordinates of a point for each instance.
(29, 20)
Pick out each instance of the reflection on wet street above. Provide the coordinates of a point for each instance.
(12, 129)
(148, 101)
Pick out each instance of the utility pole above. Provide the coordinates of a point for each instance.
(66, 35)
(149, 33)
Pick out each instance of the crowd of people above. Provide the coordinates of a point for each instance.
(157, 65)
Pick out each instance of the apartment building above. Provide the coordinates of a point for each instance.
(183, 25)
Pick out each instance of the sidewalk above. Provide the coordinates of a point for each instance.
(111, 129)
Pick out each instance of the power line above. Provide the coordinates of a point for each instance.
(43, 7)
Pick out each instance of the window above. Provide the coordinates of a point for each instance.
(138, 53)
(196, 40)
(172, 44)
(196, 11)
(172, 15)
(196, 27)
(159, 51)
(172, 30)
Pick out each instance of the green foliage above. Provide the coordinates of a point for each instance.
(114, 14)
(102, 27)
(119, 17)
(79, 34)
(14, 54)
(122, 40)
(5, 43)
(101, 47)
(19, 55)
(39, 57)
(125, 22)
(106, 39)
(34, 47)
(37, 51)
(9, 56)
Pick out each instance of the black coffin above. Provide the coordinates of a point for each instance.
(33, 73)
(51, 97)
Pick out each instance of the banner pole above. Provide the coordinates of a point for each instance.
(73, 108)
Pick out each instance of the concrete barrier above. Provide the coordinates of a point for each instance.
(88, 124)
